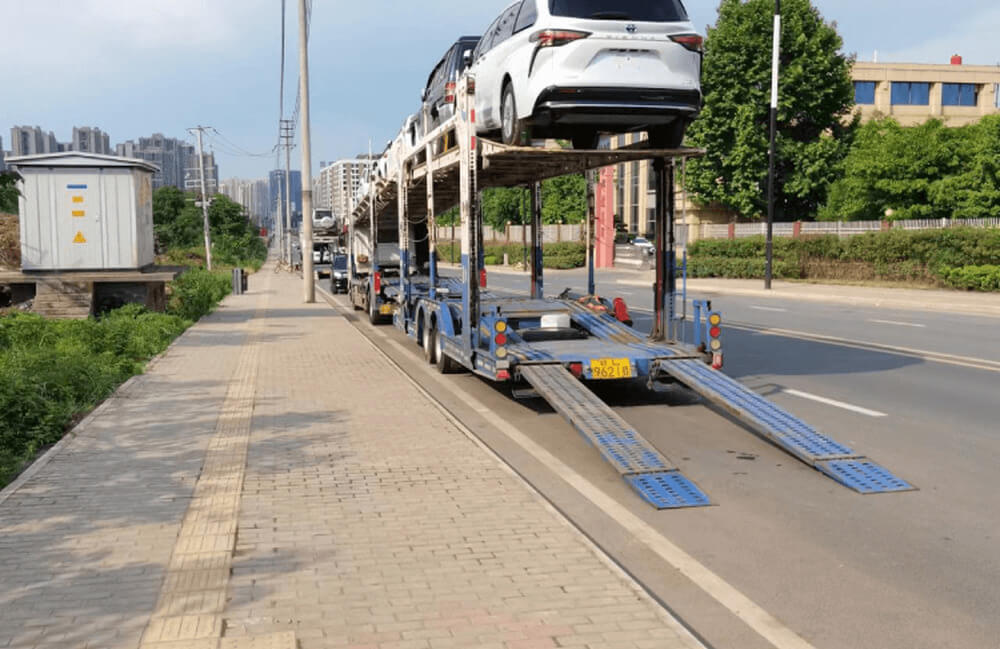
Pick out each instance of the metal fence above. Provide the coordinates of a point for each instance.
(513, 234)
(839, 228)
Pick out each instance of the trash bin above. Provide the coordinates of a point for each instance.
(239, 281)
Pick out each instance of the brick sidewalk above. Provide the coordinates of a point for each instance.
(365, 518)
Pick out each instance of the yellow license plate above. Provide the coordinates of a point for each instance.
(610, 368)
(385, 309)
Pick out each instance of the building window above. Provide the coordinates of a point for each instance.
(959, 94)
(864, 92)
(911, 94)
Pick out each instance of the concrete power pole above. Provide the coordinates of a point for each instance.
(204, 198)
(309, 287)
(287, 135)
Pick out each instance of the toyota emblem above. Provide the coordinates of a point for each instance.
(631, 29)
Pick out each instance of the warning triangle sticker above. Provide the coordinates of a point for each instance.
(79, 238)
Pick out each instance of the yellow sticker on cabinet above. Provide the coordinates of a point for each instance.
(79, 213)
(79, 238)
(78, 199)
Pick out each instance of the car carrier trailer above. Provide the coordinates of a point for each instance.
(558, 345)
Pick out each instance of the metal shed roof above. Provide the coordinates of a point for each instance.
(79, 159)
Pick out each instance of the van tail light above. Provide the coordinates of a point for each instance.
(449, 92)
(557, 37)
(692, 42)
(378, 283)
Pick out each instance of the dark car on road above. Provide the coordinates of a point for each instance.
(338, 274)
(440, 91)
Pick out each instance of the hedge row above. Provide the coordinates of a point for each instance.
(958, 257)
(564, 255)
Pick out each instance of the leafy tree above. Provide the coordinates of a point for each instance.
(926, 171)
(9, 193)
(816, 97)
(564, 199)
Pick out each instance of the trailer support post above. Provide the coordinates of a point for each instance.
(403, 205)
(666, 278)
(591, 283)
(469, 212)
(431, 217)
(537, 279)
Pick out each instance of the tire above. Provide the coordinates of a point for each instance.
(430, 343)
(585, 139)
(670, 136)
(373, 315)
(444, 363)
(510, 125)
(354, 304)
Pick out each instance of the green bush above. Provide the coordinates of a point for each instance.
(893, 255)
(563, 255)
(974, 278)
(245, 251)
(52, 370)
(196, 293)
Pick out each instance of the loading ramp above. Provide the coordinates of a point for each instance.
(785, 430)
(645, 469)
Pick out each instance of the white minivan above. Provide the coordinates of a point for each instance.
(573, 69)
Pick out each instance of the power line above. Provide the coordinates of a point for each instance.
(239, 151)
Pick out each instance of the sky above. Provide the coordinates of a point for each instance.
(135, 67)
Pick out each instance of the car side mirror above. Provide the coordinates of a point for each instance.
(423, 95)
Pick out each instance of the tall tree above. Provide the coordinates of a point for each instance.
(814, 130)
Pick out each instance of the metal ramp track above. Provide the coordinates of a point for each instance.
(644, 468)
(785, 430)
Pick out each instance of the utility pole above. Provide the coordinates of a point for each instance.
(309, 286)
(775, 63)
(287, 135)
(204, 197)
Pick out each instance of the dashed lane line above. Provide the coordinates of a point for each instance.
(834, 402)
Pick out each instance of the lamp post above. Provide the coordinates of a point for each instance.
(775, 62)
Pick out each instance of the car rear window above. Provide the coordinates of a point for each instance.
(638, 10)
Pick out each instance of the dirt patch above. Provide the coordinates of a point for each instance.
(10, 242)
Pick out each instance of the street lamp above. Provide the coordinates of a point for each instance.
(775, 54)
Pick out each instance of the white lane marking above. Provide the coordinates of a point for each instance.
(832, 402)
(752, 614)
(770, 308)
(899, 324)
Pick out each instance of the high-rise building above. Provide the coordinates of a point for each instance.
(338, 183)
(89, 139)
(251, 194)
(168, 154)
(192, 174)
(276, 195)
(31, 140)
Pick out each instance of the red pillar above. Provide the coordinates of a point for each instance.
(604, 219)
(797, 229)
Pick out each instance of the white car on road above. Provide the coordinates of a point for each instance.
(573, 69)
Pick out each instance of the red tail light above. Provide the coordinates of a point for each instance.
(715, 332)
(449, 92)
(503, 375)
(557, 37)
(378, 283)
(500, 340)
(576, 369)
(693, 42)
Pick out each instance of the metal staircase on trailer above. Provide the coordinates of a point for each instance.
(644, 468)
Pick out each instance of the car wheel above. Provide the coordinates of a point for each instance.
(509, 123)
(373, 315)
(585, 139)
(668, 137)
(430, 343)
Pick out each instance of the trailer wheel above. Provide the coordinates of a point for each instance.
(444, 362)
(430, 343)
(373, 315)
